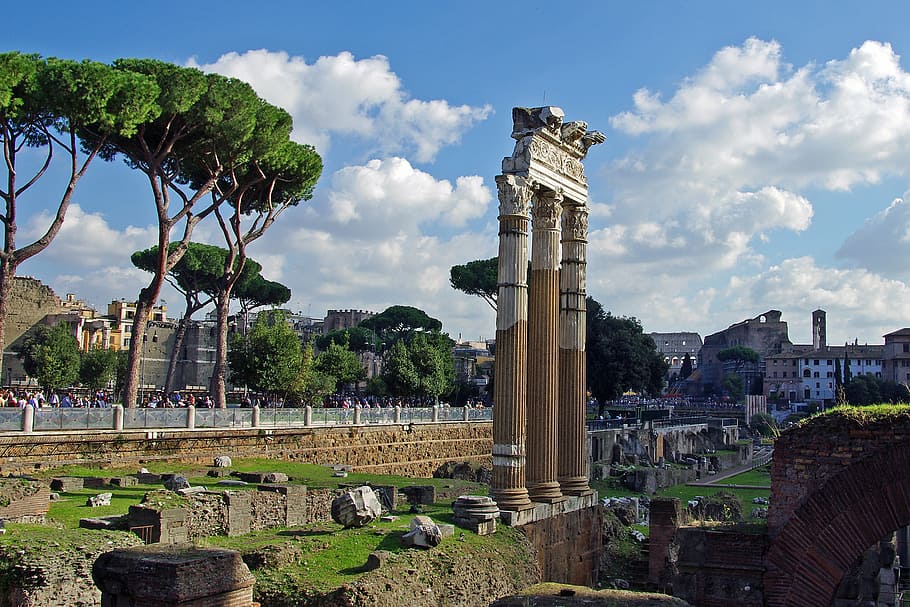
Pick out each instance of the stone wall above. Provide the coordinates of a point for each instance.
(568, 546)
(839, 483)
(720, 568)
(415, 450)
(705, 567)
(30, 301)
(233, 512)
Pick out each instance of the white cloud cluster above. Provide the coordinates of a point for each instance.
(860, 304)
(342, 95)
(733, 154)
(391, 196)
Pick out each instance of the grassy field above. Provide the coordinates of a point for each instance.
(72, 506)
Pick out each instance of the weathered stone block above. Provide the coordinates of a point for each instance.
(67, 484)
(356, 508)
(165, 577)
(124, 481)
(420, 494)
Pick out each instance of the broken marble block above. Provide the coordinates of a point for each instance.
(424, 533)
(356, 507)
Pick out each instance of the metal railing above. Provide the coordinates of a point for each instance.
(30, 420)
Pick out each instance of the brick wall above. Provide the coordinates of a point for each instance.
(27, 501)
(414, 450)
(839, 484)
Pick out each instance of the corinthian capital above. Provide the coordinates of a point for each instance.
(546, 210)
(575, 222)
(515, 194)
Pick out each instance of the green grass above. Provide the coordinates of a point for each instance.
(332, 556)
(760, 477)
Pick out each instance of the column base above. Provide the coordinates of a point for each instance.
(575, 485)
(547, 493)
(512, 499)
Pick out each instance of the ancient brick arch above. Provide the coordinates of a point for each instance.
(840, 483)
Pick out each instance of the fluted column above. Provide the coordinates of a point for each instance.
(509, 388)
(543, 333)
(573, 473)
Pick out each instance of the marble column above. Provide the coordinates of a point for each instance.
(543, 359)
(572, 465)
(509, 388)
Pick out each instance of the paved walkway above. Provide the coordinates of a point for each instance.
(714, 480)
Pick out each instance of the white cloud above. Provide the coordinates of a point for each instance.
(728, 158)
(390, 195)
(859, 303)
(87, 239)
(342, 95)
(882, 243)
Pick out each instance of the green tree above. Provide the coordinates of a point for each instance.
(358, 339)
(51, 356)
(478, 278)
(279, 175)
(620, 355)
(201, 151)
(258, 292)
(863, 390)
(98, 367)
(196, 276)
(840, 395)
(400, 322)
(765, 425)
(686, 370)
(269, 358)
(44, 103)
(739, 356)
(398, 371)
(734, 385)
(310, 386)
(431, 357)
(340, 363)
(848, 372)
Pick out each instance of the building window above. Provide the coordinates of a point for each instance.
(830, 374)
(774, 374)
(815, 374)
(906, 347)
(828, 362)
(815, 362)
(807, 373)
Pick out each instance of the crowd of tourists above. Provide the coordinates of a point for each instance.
(176, 400)
(38, 400)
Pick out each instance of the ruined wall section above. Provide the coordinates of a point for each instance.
(839, 483)
(414, 450)
(30, 301)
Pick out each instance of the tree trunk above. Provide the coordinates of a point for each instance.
(7, 273)
(219, 374)
(140, 322)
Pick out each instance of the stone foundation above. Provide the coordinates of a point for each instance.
(568, 545)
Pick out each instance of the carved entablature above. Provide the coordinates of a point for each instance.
(546, 211)
(515, 195)
(557, 159)
(549, 150)
(575, 222)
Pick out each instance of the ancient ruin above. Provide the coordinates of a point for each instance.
(538, 423)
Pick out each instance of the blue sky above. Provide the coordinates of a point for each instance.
(757, 154)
